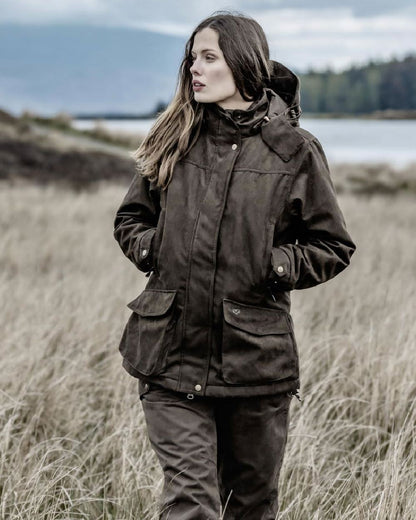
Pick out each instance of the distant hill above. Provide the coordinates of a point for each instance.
(111, 72)
(377, 86)
(79, 68)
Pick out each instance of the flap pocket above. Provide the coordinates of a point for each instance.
(256, 320)
(258, 344)
(149, 331)
(153, 302)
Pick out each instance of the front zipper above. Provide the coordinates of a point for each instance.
(157, 241)
(268, 251)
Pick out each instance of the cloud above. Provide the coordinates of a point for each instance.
(35, 11)
(298, 34)
(335, 37)
(105, 12)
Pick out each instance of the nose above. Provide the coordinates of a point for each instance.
(193, 68)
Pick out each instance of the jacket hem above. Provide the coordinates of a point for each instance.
(225, 390)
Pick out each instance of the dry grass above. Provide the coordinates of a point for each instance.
(72, 434)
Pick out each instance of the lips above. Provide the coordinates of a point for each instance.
(198, 84)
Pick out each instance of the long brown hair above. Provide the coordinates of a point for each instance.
(246, 52)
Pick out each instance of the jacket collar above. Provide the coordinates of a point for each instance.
(274, 115)
(247, 122)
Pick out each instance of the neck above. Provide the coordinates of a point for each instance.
(236, 105)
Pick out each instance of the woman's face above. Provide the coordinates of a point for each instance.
(210, 68)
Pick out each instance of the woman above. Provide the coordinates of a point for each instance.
(231, 209)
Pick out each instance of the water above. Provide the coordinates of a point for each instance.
(365, 140)
(344, 140)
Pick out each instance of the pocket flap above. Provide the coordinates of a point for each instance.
(152, 302)
(256, 320)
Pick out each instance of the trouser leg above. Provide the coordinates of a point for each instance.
(252, 435)
(183, 434)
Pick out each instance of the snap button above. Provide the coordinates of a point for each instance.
(236, 311)
(280, 269)
(144, 252)
(234, 146)
(198, 387)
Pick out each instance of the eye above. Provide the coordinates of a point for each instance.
(208, 57)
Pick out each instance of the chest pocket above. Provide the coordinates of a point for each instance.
(258, 344)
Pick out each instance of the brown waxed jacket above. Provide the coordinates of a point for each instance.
(249, 215)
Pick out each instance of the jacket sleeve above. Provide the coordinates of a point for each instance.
(136, 221)
(323, 247)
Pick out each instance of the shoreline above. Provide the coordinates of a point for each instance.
(388, 114)
(53, 152)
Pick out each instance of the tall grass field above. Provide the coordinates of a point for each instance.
(73, 441)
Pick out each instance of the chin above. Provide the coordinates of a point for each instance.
(206, 98)
(201, 98)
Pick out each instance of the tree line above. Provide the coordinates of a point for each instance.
(373, 87)
(376, 86)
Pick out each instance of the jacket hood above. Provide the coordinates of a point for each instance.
(280, 97)
(286, 85)
(274, 114)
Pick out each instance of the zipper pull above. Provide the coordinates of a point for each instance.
(297, 395)
(271, 292)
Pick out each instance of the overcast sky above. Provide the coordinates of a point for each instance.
(301, 33)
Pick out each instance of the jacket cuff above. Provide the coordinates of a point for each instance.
(281, 275)
(145, 253)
